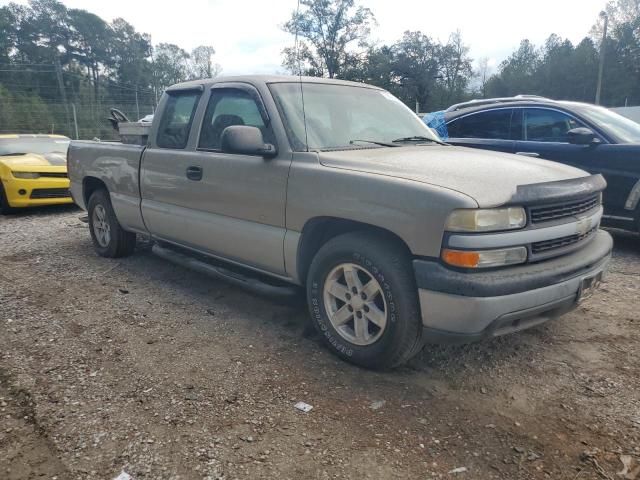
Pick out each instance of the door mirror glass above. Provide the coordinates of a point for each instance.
(581, 136)
(245, 140)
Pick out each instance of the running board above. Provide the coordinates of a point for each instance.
(247, 282)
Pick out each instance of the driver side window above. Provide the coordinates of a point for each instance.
(541, 125)
(229, 107)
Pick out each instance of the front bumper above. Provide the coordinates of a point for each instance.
(464, 307)
(20, 191)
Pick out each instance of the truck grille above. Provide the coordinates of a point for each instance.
(547, 245)
(54, 174)
(547, 213)
(50, 193)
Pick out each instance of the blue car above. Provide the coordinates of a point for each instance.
(586, 136)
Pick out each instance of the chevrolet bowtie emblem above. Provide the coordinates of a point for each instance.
(583, 226)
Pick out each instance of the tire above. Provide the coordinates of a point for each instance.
(117, 242)
(372, 256)
(5, 208)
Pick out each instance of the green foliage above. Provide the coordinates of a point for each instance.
(327, 29)
(54, 57)
(99, 64)
(418, 69)
(562, 71)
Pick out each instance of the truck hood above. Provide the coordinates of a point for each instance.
(490, 178)
(33, 162)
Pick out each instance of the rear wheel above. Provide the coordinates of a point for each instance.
(363, 300)
(5, 208)
(109, 238)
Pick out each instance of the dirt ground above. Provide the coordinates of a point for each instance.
(138, 365)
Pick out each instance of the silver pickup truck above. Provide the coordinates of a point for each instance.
(337, 187)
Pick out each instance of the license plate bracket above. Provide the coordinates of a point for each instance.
(588, 285)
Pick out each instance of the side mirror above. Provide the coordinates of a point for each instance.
(582, 136)
(245, 140)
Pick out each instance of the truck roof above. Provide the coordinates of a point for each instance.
(264, 79)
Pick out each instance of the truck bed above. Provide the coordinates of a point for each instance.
(117, 166)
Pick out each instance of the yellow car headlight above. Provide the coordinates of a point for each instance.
(486, 220)
(31, 175)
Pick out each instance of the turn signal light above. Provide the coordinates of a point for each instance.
(484, 258)
(461, 258)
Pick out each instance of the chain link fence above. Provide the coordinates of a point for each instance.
(32, 101)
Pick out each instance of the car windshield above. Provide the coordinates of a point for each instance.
(624, 129)
(40, 146)
(339, 117)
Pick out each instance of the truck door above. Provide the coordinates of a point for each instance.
(227, 205)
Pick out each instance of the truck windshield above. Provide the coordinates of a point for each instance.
(40, 146)
(339, 117)
(624, 129)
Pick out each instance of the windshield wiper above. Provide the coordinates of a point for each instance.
(12, 154)
(382, 144)
(418, 138)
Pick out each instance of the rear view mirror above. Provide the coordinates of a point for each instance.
(245, 140)
(582, 136)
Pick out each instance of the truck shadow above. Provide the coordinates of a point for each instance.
(42, 211)
(287, 322)
(625, 242)
(284, 323)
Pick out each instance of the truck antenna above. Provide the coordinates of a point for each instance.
(299, 66)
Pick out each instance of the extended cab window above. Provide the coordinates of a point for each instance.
(541, 125)
(494, 124)
(228, 107)
(176, 119)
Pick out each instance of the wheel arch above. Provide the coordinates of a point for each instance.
(89, 186)
(318, 231)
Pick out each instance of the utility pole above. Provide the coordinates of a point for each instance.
(603, 49)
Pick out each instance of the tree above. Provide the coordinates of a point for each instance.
(455, 65)
(416, 66)
(517, 72)
(90, 37)
(202, 65)
(8, 31)
(170, 65)
(619, 12)
(329, 28)
(131, 53)
(483, 74)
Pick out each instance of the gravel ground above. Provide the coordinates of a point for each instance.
(138, 365)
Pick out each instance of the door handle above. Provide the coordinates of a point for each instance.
(194, 173)
(528, 154)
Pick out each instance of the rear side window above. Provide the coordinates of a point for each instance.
(543, 125)
(494, 124)
(176, 119)
(228, 107)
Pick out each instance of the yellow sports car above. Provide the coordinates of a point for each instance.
(33, 171)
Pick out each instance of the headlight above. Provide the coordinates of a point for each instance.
(485, 258)
(489, 220)
(26, 174)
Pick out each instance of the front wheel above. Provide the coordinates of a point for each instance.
(363, 300)
(109, 238)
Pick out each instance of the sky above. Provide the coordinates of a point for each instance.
(248, 38)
